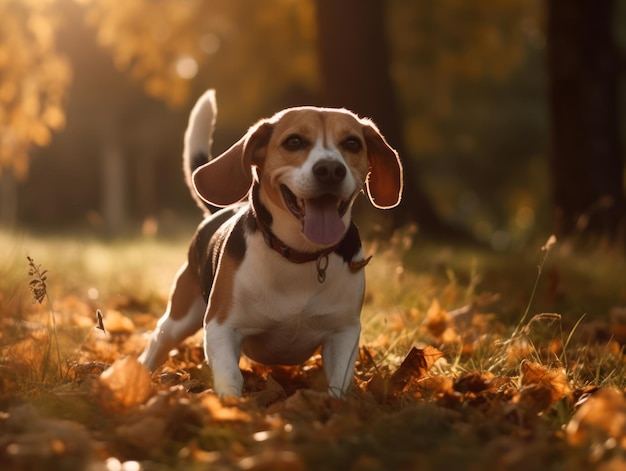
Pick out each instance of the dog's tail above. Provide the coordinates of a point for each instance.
(199, 139)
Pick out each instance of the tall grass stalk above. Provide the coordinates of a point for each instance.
(546, 250)
(39, 290)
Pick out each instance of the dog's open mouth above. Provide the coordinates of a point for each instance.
(320, 217)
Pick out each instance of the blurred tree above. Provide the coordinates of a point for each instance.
(33, 80)
(584, 66)
(355, 62)
(376, 54)
(470, 78)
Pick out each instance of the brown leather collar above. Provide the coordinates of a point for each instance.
(295, 256)
(290, 253)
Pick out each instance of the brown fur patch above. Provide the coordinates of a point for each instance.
(184, 292)
(221, 298)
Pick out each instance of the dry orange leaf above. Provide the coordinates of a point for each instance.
(553, 378)
(224, 410)
(414, 367)
(116, 322)
(542, 386)
(601, 418)
(126, 384)
(437, 320)
(144, 433)
(36, 442)
(440, 324)
(274, 460)
(474, 382)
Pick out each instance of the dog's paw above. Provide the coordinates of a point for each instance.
(228, 387)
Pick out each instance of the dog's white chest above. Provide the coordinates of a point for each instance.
(283, 312)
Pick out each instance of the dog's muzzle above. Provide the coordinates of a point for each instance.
(321, 216)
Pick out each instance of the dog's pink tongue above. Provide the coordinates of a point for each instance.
(322, 223)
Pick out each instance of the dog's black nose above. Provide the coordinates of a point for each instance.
(329, 172)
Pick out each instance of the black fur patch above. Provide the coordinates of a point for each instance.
(261, 211)
(209, 242)
(197, 160)
(350, 244)
(236, 246)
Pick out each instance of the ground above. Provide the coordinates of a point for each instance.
(468, 360)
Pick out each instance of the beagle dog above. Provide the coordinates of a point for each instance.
(278, 272)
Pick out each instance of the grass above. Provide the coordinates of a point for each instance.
(531, 346)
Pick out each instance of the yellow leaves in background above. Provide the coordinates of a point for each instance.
(164, 44)
(262, 48)
(34, 79)
(148, 38)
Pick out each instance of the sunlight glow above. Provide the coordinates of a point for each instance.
(210, 43)
(525, 217)
(500, 240)
(113, 464)
(186, 67)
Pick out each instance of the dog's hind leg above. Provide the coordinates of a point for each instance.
(183, 317)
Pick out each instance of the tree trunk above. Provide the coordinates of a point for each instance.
(586, 156)
(145, 182)
(8, 198)
(114, 183)
(354, 57)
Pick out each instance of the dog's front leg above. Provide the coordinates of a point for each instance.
(338, 356)
(222, 347)
(182, 318)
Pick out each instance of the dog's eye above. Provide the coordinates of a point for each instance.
(295, 142)
(352, 144)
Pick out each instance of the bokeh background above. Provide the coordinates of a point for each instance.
(507, 114)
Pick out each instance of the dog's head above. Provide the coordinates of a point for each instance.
(311, 163)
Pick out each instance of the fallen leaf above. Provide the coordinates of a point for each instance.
(366, 359)
(378, 386)
(542, 386)
(435, 386)
(304, 404)
(117, 323)
(414, 367)
(224, 411)
(474, 382)
(273, 460)
(144, 433)
(618, 332)
(30, 441)
(272, 392)
(517, 350)
(126, 384)
(81, 371)
(601, 419)
(437, 320)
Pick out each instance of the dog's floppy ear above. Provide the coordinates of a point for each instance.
(384, 182)
(227, 178)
